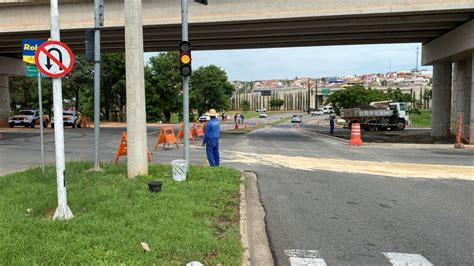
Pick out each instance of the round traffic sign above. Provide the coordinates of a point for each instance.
(54, 59)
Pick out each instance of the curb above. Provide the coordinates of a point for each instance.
(252, 220)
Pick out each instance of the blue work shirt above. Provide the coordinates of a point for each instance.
(212, 131)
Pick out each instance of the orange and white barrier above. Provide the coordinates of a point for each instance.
(166, 136)
(356, 139)
(198, 130)
(181, 134)
(459, 144)
(122, 149)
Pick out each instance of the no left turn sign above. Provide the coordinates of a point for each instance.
(54, 59)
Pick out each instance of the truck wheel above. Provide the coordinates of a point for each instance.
(32, 125)
(11, 125)
(79, 125)
(52, 125)
(371, 128)
(74, 125)
(45, 124)
(400, 126)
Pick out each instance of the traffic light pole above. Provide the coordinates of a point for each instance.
(184, 23)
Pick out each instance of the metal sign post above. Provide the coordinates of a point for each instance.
(63, 211)
(40, 99)
(184, 23)
(98, 15)
(29, 50)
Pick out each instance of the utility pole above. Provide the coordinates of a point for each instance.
(63, 211)
(309, 95)
(316, 95)
(98, 22)
(417, 51)
(137, 163)
(184, 38)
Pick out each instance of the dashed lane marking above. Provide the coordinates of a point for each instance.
(405, 259)
(299, 257)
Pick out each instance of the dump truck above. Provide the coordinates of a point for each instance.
(380, 115)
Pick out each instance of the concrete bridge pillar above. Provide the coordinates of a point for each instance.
(4, 101)
(470, 105)
(441, 110)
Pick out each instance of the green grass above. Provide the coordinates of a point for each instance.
(193, 220)
(421, 120)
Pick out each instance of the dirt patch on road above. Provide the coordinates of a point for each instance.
(403, 170)
(416, 136)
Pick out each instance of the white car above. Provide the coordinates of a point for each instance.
(204, 118)
(317, 112)
(263, 115)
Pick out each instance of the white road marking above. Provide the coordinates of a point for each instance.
(304, 257)
(404, 259)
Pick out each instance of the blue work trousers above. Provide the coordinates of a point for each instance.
(331, 123)
(212, 151)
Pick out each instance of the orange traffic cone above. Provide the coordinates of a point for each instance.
(355, 135)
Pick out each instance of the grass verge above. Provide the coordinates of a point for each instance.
(193, 220)
(421, 120)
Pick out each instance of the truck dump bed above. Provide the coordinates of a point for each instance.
(358, 113)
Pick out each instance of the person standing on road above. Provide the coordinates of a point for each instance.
(332, 117)
(235, 117)
(211, 138)
(241, 118)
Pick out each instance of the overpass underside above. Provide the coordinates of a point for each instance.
(269, 33)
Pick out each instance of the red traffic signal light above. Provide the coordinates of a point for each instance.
(185, 59)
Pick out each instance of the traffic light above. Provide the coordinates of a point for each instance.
(185, 59)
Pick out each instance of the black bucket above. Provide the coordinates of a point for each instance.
(155, 186)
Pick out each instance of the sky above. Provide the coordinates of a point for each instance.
(321, 61)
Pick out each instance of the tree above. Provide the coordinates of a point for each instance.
(276, 103)
(113, 84)
(163, 86)
(354, 96)
(210, 89)
(79, 79)
(245, 105)
(398, 96)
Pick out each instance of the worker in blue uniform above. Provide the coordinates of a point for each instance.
(211, 138)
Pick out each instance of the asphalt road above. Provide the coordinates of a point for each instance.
(324, 200)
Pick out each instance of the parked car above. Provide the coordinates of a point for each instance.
(296, 118)
(27, 118)
(263, 115)
(204, 118)
(70, 118)
(318, 112)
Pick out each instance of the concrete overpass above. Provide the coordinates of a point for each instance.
(229, 24)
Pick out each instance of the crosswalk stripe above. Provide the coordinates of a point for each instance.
(405, 259)
(304, 257)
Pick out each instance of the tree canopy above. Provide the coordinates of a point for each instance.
(354, 96)
(163, 87)
(210, 89)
